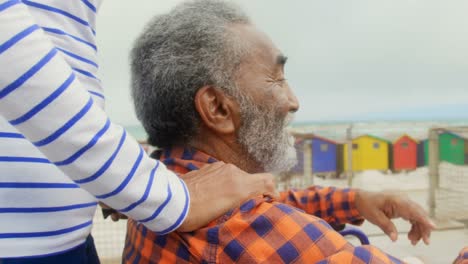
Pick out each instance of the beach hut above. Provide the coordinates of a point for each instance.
(405, 151)
(323, 155)
(451, 148)
(368, 153)
(421, 156)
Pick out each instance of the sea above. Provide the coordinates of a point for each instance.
(337, 131)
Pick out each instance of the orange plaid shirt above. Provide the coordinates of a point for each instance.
(259, 231)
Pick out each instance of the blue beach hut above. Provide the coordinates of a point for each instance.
(323, 155)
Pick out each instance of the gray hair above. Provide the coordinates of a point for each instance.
(177, 54)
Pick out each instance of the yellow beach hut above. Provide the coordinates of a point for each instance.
(368, 153)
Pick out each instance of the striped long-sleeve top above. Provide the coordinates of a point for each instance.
(56, 138)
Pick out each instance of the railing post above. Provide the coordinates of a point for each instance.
(433, 169)
(349, 171)
(308, 162)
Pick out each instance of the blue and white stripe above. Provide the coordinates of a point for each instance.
(50, 93)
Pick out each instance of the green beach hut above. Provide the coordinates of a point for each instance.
(451, 148)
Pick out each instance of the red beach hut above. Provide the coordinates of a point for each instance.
(405, 151)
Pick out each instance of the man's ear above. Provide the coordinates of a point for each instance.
(217, 110)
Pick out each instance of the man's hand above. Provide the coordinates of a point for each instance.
(219, 187)
(379, 208)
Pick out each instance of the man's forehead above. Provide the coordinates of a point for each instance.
(253, 37)
(261, 48)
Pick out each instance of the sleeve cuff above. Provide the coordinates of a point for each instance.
(353, 217)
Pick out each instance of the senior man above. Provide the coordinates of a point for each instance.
(229, 101)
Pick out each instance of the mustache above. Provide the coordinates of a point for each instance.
(288, 119)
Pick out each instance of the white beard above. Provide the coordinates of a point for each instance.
(266, 138)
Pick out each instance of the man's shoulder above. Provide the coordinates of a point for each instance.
(257, 221)
(278, 227)
(265, 211)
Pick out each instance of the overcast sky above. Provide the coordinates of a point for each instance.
(364, 59)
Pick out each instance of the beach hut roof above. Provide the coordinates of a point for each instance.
(326, 140)
(374, 137)
(304, 136)
(453, 134)
(406, 135)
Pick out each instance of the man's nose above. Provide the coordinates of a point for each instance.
(293, 102)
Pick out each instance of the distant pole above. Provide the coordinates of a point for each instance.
(349, 138)
(308, 162)
(433, 169)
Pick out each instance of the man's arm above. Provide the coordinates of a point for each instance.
(340, 206)
(336, 206)
(41, 96)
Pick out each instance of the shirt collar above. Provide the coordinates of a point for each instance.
(183, 159)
